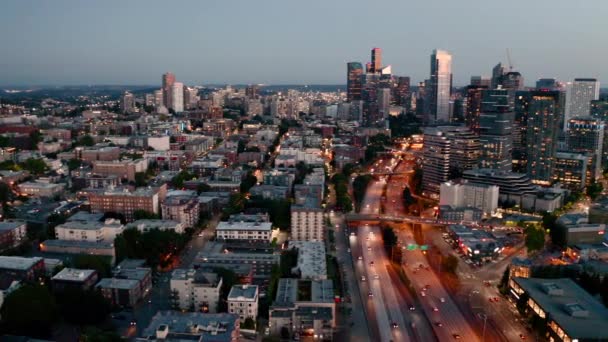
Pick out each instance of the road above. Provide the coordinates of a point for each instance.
(381, 294)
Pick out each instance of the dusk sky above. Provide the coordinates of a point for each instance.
(293, 42)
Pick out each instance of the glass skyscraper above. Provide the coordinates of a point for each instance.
(440, 87)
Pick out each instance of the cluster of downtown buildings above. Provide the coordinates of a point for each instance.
(491, 144)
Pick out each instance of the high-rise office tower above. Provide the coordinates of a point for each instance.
(481, 81)
(579, 95)
(127, 103)
(546, 84)
(513, 80)
(586, 135)
(497, 72)
(354, 73)
(168, 80)
(496, 130)
(158, 98)
(440, 87)
(252, 91)
(376, 66)
(402, 92)
(384, 104)
(520, 128)
(473, 107)
(447, 152)
(369, 95)
(542, 134)
(177, 97)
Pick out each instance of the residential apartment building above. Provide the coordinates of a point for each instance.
(181, 206)
(93, 231)
(307, 222)
(243, 301)
(124, 169)
(126, 202)
(194, 290)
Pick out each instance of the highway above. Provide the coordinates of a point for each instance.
(373, 267)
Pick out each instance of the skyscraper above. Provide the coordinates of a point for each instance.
(497, 72)
(168, 80)
(158, 98)
(354, 73)
(481, 81)
(127, 103)
(473, 107)
(402, 92)
(496, 130)
(376, 66)
(586, 135)
(513, 80)
(384, 103)
(579, 95)
(440, 87)
(447, 152)
(177, 97)
(542, 134)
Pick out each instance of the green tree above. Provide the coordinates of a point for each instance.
(248, 182)
(556, 232)
(35, 138)
(594, 190)
(99, 263)
(94, 334)
(34, 166)
(140, 179)
(360, 185)
(248, 324)
(5, 193)
(178, 180)
(86, 140)
(535, 238)
(503, 286)
(30, 311)
(229, 279)
(144, 215)
(73, 164)
(75, 306)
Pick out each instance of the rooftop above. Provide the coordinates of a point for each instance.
(118, 283)
(242, 225)
(11, 225)
(77, 243)
(292, 290)
(311, 259)
(243, 293)
(570, 306)
(192, 326)
(17, 263)
(73, 274)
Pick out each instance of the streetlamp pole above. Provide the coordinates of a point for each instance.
(483, 335)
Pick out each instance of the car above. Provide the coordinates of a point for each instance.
(201, 234)
(439, 324)
(376, 276)
(496, 299)
(367, 238)
(369, 248)
(487, 283)
(442, 300)
(352, 234)
(362, 278)
(522, 336)
(456, 336)
(435, 309)
(133, 323)
(371, 263)
(412, 308)
(359, 258)
(394, 325)
(423, 294)
(427, 286)
(370, 294)
(348, 250)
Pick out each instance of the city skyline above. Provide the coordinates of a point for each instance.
(67, 43)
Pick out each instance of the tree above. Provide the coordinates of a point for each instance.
(5, 193)
(34, 166)
(178, 180)
(503, 286)
(76, 306)
(594, 190)
(144, 215)
(93, 334)
(86, 140)
(140, 179)
(348, 169)
(248, 182)
(229, 279)
(417, 181)
(248, 324)
(30, 311)
(360, 185)
(99, 263)
(535, 238)
(557, 233)
(73, 164)
(35, 138)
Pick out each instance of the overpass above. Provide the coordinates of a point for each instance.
(414, 219)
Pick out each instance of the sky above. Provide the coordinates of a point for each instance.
(76, 42)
